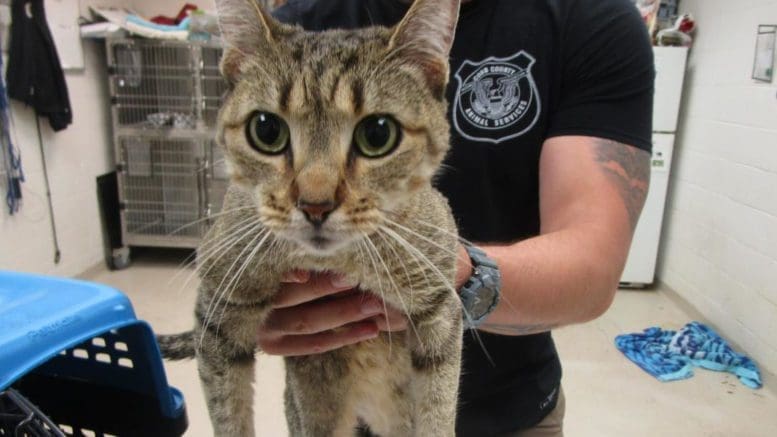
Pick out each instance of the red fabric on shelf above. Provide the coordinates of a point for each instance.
(161, 19)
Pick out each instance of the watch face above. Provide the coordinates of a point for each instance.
(482, 302)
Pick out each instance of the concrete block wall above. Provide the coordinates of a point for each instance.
(719, 249)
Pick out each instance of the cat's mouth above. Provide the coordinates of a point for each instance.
(321, 242)
(321, 239)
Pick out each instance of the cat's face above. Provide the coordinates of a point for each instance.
(330, 132)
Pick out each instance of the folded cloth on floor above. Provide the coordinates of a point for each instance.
(671, 355)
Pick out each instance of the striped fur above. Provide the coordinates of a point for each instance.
(392, 232)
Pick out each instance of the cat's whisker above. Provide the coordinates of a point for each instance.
(221, 288)
(270, 249)
(213, 253)
(417, 263)
(446, 167)
(378, 67)
(226, 293)
(218, 290)
(371, 249)
(218, 294)
(408, 246)
(430, 241)
(223, 249)
(417, 256)
(396, 289)
(404, 267)
(412, 256)
(204, 168)
(380, 286)
(453, 234)
(190, 261)
(236, 279)
(430, 225)
(193, 258)
(209, 250)
(426, 239)
(210, 217)
(253, 253)
(233, 234)
(437, 228)
(506, 300)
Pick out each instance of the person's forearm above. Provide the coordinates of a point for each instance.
(546, 283)
(591, 193)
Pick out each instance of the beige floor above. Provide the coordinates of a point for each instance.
(606, 394)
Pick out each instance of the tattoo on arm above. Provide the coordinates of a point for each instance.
(516, 330)
(629, 169)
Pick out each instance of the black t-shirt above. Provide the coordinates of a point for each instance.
(522, 71)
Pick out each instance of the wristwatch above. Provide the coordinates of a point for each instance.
(480, 294)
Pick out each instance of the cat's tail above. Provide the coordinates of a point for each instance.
(177, 346)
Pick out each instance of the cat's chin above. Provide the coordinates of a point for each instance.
(321, 246)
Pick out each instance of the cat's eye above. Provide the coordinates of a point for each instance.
(267, 133)
(376, 136)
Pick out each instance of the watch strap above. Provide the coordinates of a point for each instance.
(482, 289)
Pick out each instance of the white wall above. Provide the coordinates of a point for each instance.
(75, 157)
(720, 243)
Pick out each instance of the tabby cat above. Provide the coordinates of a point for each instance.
(332, 140)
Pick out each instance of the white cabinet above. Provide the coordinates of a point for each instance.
(670, 76)
(641, 266)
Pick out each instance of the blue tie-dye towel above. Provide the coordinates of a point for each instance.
(671, 355)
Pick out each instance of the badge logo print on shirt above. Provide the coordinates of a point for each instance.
(496, 99)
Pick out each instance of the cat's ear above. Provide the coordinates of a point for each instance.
(425, 36)
(246, 28)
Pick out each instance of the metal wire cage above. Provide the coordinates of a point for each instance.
(165, 99)
(213, 85)
(154, 83)
(158, 84)
(162, 186)
(19, 417)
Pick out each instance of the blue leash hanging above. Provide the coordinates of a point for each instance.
(12, 161)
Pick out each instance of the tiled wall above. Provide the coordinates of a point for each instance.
(719, 249)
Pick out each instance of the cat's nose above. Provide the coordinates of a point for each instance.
(316, 212)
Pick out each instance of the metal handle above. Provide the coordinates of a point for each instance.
(122, 164)
(198, 165)
(203, 165)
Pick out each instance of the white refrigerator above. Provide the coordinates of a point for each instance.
(670, 75)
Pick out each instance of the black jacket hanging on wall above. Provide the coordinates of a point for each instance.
(35, 75)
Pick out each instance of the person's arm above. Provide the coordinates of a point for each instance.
(591, 194)
(593, 183)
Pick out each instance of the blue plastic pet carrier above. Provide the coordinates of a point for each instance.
(74, 361)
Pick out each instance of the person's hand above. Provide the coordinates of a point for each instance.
(316, 313)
